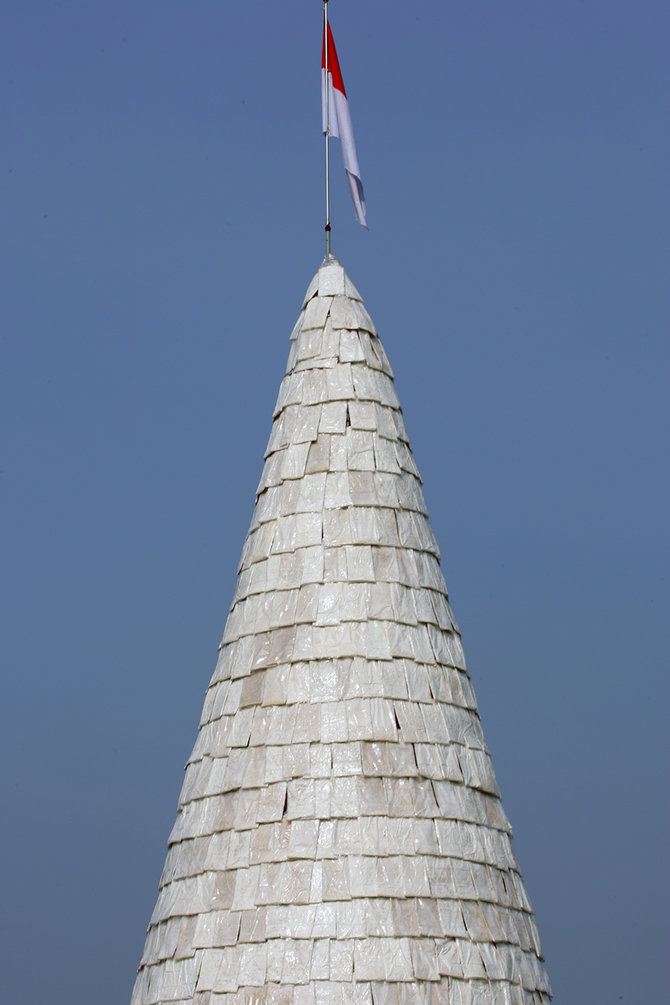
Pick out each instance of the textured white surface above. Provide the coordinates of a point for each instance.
(340, 837)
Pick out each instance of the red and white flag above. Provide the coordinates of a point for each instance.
(336, 108)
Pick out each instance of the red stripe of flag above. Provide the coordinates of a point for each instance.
(333, 62)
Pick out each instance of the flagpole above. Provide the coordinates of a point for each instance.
(325, 44)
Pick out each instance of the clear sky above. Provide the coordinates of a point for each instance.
(161, 217)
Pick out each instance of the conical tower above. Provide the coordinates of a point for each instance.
(340, 836)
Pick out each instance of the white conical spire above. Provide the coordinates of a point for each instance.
(340, 836)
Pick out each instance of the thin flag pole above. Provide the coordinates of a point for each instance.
(325, 45)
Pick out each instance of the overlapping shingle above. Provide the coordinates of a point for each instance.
(340, 837)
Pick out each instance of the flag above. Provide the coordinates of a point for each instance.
(340, 123)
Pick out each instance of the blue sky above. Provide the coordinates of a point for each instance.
(161, 217)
